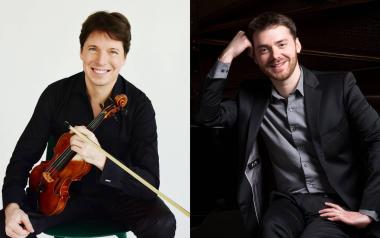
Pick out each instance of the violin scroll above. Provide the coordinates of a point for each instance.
(119, 103)
(121, 100)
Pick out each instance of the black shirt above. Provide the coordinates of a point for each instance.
(130, 136)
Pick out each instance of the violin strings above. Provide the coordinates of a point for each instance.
(67, 154)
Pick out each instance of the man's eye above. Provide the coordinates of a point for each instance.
(263, 50)
(92, 49)
(282, 45)
(114, 52)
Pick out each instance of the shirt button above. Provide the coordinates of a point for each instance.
(292, 128)
(253, 164)
(305, 165)
(290, 109)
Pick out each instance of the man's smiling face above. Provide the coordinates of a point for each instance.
(276, 52)
(102, 59)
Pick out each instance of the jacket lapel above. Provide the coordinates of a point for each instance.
(260, 101)
(312, 107)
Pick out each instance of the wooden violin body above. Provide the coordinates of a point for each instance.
(51, 179)
(52, 185)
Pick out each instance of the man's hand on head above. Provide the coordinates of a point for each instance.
(335, 213)
(237, 45)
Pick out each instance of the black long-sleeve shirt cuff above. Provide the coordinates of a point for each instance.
(14, 195)
(115, 177)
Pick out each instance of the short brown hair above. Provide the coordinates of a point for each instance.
(115, 24)
(269, 19)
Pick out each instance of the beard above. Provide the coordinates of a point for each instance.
(281, 74)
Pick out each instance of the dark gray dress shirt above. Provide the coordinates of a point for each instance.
(295, 165)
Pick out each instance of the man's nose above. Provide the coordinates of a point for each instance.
(276, 53)
(101, 58)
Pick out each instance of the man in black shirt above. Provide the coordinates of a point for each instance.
(131, 136)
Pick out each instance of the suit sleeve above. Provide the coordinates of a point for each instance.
(213, 110)
(143, 156)
(366, 123)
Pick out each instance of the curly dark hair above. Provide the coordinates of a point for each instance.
(269, 19)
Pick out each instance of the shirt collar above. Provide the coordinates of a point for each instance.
(299, 89)
(118, 88)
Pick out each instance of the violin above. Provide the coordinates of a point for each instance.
(51, 179)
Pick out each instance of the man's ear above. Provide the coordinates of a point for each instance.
(298, 45)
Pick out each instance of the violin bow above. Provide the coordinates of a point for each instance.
(130, 172)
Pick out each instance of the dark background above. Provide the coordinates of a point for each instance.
(335, 35)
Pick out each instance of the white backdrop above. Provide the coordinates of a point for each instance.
(39, 44)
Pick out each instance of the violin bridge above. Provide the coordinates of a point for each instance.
(47, 177)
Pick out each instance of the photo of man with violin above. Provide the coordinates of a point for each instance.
(78, 181)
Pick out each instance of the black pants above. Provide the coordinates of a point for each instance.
(144, 218)
(297, 216)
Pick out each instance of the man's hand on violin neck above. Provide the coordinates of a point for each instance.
(87, 150)
(17, 223)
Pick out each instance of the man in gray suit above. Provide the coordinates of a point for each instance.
(308, 124)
